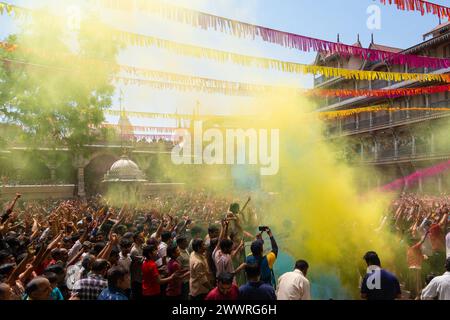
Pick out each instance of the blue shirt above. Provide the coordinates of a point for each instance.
(56, 294)
(257, 291)
(386, 287)
(265, 266)
(112, 294)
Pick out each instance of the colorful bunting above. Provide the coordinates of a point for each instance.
(286, 39)
(266, 63)
(421, 6)
(329, 115)
(154, 130)
(187, 82)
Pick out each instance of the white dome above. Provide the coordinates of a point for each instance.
(124, 170)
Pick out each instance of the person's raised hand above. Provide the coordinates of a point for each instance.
(55, 241)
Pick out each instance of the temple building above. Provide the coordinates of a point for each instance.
(396, 143)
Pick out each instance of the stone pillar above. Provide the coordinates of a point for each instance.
(52, 167)
(80, 163)
(407, 108)
(375, 144)
(81, 190)
(395, 146)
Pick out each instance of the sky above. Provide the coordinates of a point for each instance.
(322, 19)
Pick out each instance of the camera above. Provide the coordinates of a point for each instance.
(263, 228)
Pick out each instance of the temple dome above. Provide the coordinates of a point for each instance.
(124, 170)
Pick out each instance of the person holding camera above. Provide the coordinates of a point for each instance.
(265, 262)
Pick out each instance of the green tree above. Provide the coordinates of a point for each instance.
(49, 85)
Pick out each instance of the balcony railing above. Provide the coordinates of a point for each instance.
(334, 100)
(379, 84)
(349, 126)
(440, 104)
(381, 120)
(321, 79)
(395, 118)
(407, 151)
(416, 70)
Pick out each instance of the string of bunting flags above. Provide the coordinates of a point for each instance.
(421, 6)
(240, 29)
(159, 130)
(330, 115)
(245, 89)
(147, 137)
(326, 115)
(267, 63)
(286, 39)
(183, 82)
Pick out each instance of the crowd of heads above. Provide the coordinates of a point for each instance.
(181, 246)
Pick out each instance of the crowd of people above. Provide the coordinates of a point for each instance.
(191, 246)
(421, 225)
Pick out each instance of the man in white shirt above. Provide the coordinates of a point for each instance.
(161, 263)
(124, 254)
(294, 285)
(439, 287)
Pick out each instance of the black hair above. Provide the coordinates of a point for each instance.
(301, 265)
(128, 235)
(98, 247)
(32, 286)
(197, 244)
(372, 259)
(4, 255)
(99, 265)
(181, 239)
(252, 270)
(213, 228)
(56, 269)
(148, 250)
(447, 264)
(86, 262)
(114, 251)
(125, 243)
(256, 247)
(51, 276)
(7, 268)
(226, 244)
(121, 229)
(114, 275)
(136, 236)
(429, 277)
(165, 236)
(140, 227)
(225, 278)
(171, 250)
